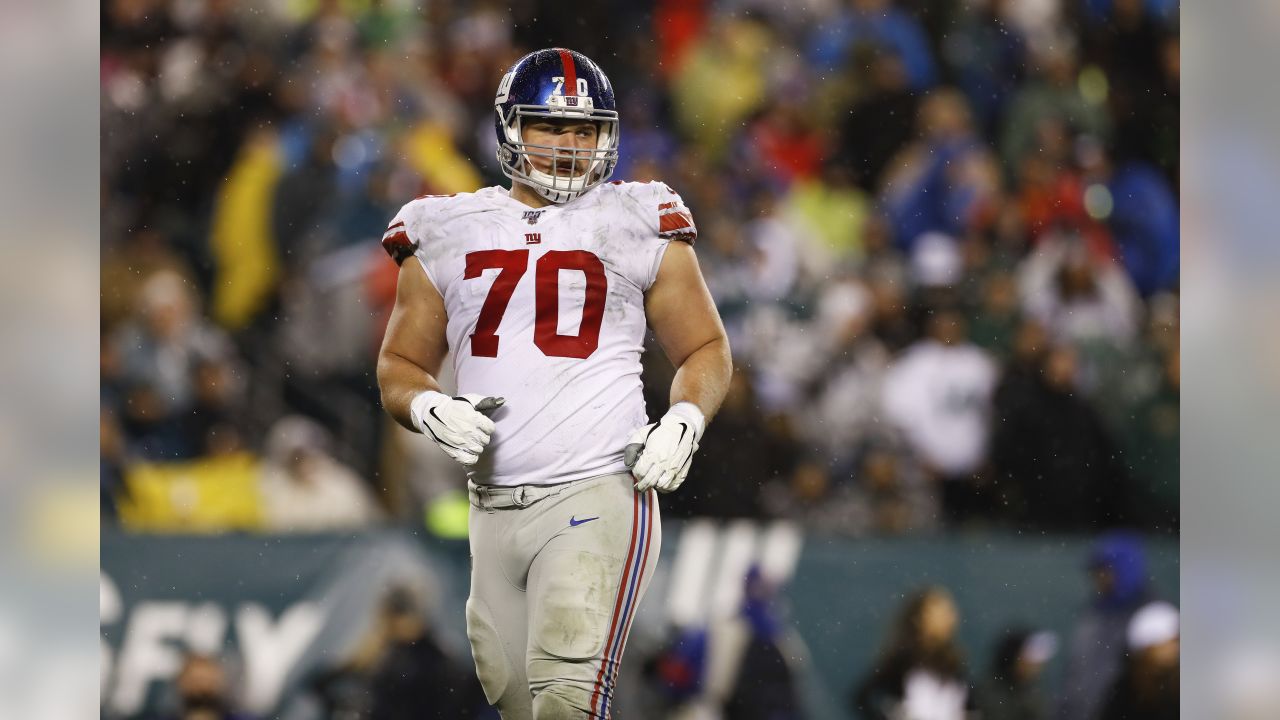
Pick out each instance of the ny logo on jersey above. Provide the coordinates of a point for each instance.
(531, 216)
(532, 238)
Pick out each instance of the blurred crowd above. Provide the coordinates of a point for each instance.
(1121, 658)
(398, 671)
(1121, 663)
(943, 237)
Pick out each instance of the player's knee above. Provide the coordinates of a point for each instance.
(561, 702)
(492, 668)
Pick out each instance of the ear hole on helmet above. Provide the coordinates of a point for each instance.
(512, 128)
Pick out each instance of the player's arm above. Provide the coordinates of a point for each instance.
(684, 318)
(414, 347)
(413, 350)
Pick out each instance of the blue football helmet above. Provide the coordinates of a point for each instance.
(556, 83)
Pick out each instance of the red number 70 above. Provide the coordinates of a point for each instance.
(512, 265)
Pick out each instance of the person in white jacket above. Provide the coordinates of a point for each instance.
(1078, 295)
(305, 489)
(938, 394)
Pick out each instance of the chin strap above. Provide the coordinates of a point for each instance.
(542, 183)
(558, 197)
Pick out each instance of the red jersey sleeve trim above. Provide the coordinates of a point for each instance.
(397, 243)
(677, 224)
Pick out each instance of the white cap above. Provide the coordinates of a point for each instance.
(936, 260)
(843, 302)
(1039, 647)
(293, 434)
(1153, 624)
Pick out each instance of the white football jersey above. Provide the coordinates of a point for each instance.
(546, 309)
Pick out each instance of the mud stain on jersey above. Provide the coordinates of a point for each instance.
(622, 288)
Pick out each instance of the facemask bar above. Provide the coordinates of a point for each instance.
(514, 154)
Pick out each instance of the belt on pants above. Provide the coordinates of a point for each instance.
(498, 497)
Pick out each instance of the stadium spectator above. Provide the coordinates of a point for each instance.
(920, 672)
(1128, 42)
(1117, 571)
(744, 667)
(884, 493)
(1143, 219)
(1147, 688)
(1151, 442)
(215, 420)
(721, 81)
(204, 692)
(1012, 691)
(1051, 95)
(1137, 393)
(846, 391)
(304, 488)
(854, 480)
(996, 318)
(830, 215)
(1056, 464)
(893, 323)
(945, 180)
(160, 350)
(989, 54)
(776, 251)
(728, 259)
(399, 670)
(745, 450)
(414, 678)
(1077, 295)
(1052, 195)
(676, 673)
(938, 394)
(127, 265)
(303, 203)
(785, 141)
(765, 686)
(644, 151)
(874, 23)
(874, 130)
(902, 498)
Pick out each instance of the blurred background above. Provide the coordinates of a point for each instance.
(943, 236)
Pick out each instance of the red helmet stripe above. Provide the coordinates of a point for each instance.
(570, 73)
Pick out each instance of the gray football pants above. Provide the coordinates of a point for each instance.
(556, 575)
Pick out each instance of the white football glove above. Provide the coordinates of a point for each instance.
(659, 454)
(457, 424)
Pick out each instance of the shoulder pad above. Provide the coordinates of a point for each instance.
(396, 241)
(404, 234)
(675, 220)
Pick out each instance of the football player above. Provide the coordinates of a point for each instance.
(541, 295)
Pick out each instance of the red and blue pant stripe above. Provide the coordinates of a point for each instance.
(625, 605)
